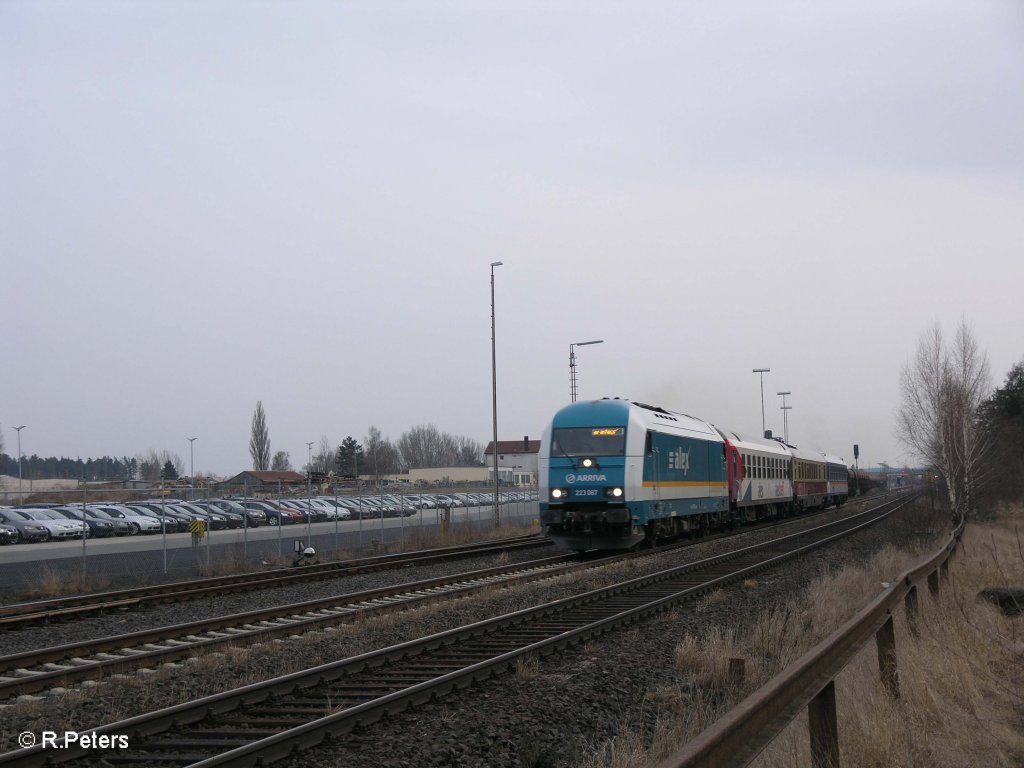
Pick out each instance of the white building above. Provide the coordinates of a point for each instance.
(517, 461)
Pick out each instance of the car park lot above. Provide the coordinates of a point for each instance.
(31, 524)
(132, 557)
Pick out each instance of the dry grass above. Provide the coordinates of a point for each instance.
(527, 668)
(55, 583)
(705, 660)
(228, 563)
(961, 680)
(777, 637)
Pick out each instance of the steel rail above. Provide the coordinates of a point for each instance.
(421, 669)
(63, 665)
(17, 676)
(46, 610)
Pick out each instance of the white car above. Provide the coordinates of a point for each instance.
(140, 523)
(338, 510)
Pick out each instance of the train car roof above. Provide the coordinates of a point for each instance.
(806, 455)
(609, 411)
(835, 459)
(676, 420)
(755, 444)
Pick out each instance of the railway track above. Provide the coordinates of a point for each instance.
(42, 611)
(57, 667)
(267, 721)
(64, 665)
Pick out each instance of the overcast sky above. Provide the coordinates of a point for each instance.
(206, 204)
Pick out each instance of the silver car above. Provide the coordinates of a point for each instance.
(139, 522)
(28, 529)
(58, 526)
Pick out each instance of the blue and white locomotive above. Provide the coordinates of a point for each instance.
(614, 473)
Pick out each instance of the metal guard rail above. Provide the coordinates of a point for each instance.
(738, 737)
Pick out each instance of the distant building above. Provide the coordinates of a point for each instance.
(517, 461)
(448, 475)
(261, 481)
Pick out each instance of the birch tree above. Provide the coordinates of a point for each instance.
(940, 416)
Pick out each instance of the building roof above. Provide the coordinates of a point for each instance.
(513, 447)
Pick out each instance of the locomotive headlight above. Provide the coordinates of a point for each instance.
(615, 493)
(558, 493)
(588, 463)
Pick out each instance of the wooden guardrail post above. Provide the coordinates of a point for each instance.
(737, 737)
(913, 610)
(824, 728)
(885, 638)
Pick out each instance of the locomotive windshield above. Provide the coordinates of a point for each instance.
(589, 441)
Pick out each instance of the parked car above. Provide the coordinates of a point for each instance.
(215, 521)
(28, 529)
(300, 506)
(369, 507)
(168, 524)
(255, 517)
(298, 516)
(58, 526)
(140, 522)
(176, 521)
(275, 516)
(340, 510)
(97, 528)
(326, 506)
(9, 534)
(121, 526)
(235, 518)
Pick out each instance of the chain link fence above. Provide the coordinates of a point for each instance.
(152, 534)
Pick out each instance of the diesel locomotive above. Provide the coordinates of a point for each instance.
(616, 473)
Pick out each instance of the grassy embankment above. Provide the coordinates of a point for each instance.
(961, 680)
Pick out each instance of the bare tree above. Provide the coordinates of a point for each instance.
(382, 458)
(423, 446)
(152, 463)
(940, 418)
(323, 459)
(282, 462)
(471, 452)
(426, 446)
(259, 441)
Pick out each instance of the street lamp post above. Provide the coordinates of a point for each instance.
(309, 496)
(785, 415)
(762, 371)
(18, 430)
(192, 464)
(494, 400)
(572, 364)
